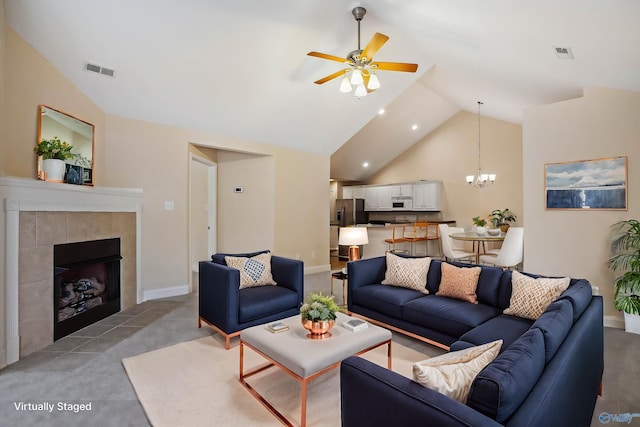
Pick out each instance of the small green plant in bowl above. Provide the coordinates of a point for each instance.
(319, 308)
(479, 222)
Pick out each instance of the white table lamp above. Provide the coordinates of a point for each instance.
(353, 237)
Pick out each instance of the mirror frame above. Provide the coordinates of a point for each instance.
(41, 111)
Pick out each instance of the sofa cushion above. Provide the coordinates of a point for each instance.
(530, 296)
(580, 295)
(384, 299)
(262, 301)
(407, 272)
(459, 282)
(450, 316)
(505, 327)
(254, 271)
(501, 387)
(452, 373)
(555, 324)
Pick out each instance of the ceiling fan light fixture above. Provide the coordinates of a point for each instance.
(374, 83)
(360, 91)
(356, 77)
(345, 85)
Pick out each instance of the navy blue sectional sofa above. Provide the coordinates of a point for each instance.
(548, 372)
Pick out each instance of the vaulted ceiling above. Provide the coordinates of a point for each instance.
(239, 68)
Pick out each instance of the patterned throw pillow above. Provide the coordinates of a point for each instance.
(254, 271)
(453, 373)
(530, 297)
(407, 272)
(459, 282)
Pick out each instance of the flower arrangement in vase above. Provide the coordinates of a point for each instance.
(318, 315)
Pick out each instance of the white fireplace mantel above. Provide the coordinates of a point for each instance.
(22, 194)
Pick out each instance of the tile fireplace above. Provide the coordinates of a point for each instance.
(35, 216)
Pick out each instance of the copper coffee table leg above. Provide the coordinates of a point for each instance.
(303, 404)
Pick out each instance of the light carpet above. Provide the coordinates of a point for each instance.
(196, 384)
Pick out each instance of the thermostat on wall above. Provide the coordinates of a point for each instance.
(238, 190)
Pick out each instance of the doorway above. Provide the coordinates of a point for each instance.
(202, 213)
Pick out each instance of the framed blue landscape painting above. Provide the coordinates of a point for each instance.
(587, 184)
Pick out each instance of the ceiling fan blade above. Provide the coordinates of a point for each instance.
(329, 57)
(395, 66)
(374, 45)
(331, 76)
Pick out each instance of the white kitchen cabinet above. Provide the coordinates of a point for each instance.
(427, 196)
(377, 198)
(353, 192)
(401, 190)
(384, 197)
(371, 198)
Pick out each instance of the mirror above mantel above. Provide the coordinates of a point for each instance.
(79, 134)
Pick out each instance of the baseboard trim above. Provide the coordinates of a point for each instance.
(173, 291)
(317, 269)
(613, 322)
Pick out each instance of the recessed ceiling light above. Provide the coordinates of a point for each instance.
(365, 165)
(414, 127)
(381, 111)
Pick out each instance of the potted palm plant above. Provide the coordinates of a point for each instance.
(500, 218)
(54, 152)
(625, 247)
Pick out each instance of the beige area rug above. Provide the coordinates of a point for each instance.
(196, 384)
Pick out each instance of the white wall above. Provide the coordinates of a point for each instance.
(603, 123)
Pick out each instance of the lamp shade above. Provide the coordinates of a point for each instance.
(353, 236)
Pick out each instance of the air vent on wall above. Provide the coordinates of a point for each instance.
(99, 70)
(563, 52)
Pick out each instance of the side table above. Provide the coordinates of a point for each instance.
(344, 277)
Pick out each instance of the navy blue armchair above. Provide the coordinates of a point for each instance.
(228, 309)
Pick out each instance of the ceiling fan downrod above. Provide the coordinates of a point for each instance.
(358, 13)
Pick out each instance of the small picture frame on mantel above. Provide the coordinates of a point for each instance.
(599, 184)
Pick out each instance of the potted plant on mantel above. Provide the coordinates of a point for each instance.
(318, 315)
(501, 219)
(625, 246)
(54, 152)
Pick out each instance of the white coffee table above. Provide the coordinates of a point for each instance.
(303, 358)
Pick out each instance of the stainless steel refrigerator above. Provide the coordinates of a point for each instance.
(349, 212)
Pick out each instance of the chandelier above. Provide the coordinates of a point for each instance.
(480, 180)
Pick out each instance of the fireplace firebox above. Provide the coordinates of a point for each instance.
(86, 284)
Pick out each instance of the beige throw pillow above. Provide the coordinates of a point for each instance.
(453, 373)
(407, 272)
(254, 271)
(459, 282)
(530, 297)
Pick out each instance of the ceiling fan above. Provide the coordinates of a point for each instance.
(361, 68)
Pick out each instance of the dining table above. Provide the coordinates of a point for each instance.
(478, 240)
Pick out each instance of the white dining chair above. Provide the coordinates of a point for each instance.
(512, 250)
(457, 254)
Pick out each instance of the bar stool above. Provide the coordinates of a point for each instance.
(397, 237)
(423, 231)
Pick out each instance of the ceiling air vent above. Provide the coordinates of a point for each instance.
(99, 70)
(563, 52)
